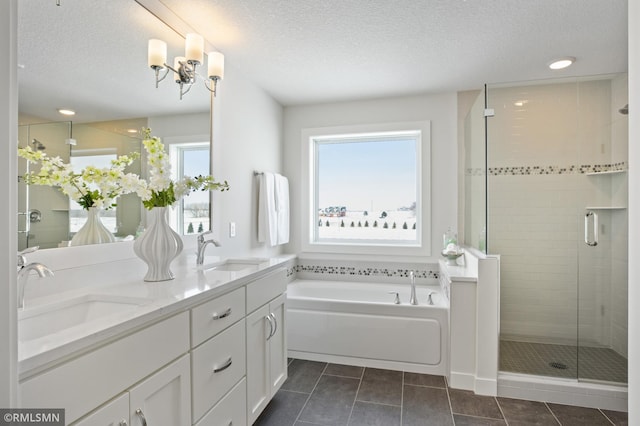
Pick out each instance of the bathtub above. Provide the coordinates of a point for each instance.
(357, 323)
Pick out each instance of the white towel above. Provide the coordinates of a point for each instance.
(267, 215)
(282, 208)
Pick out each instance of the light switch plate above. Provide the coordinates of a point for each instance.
(232, 229)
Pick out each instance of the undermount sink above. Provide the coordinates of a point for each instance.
(248, 264)
(44, 320)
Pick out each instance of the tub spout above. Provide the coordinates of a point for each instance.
(412, 277)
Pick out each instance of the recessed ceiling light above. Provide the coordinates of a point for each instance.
(64, 111)
(561, 63)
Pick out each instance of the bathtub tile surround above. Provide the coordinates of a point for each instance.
(340, 395)
(371, 271)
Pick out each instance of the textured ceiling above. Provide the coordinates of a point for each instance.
(311, 51)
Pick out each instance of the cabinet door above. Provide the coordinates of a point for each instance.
(164, 398)
(278, 344)
(115, 413)
(258, 384)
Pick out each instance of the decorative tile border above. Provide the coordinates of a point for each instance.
(548, 170)
(352, 271)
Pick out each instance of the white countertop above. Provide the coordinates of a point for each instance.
(459, 273)
(122, 278)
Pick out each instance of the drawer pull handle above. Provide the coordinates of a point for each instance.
(271, 326)
(217, 316)
(275, 322)
(223, 367)
(140, 414)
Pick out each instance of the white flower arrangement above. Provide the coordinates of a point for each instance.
(92, 186)
(160, 190)
(99, 187)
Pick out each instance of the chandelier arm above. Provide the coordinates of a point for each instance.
(158, 78)
(208, 86)
(182, 91)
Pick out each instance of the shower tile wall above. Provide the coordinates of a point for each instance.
(541, 141)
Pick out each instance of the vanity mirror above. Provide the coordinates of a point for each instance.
(91, 57)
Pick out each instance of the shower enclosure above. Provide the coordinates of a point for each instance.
(43, 211)
(554, 169)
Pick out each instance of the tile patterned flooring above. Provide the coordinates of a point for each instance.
(318, 393)
(584, 362)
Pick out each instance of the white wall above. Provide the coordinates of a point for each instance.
(440, 109)
(8, 168)
(634, 211)
(247, 136)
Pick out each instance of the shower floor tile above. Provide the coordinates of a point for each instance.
(562, 361)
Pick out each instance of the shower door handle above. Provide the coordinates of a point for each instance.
(594, 216)
(27, 223)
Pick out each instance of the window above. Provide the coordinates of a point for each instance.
(369, 189)
(191, 213)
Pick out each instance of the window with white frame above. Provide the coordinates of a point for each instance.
(191, 213)
(368, 189)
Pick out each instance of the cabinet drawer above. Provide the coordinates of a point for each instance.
(213, 316)
(265, 289)
(217, 365)
(232, 409)
(85, 382)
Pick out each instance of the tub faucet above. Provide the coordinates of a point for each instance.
(412, 277)
(202, 245)
(23, 273)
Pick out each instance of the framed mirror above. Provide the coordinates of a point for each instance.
(91, 57)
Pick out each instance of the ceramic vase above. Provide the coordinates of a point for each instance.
(158, 245)
(93, 231)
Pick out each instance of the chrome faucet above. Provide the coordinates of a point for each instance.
(23, 273)
(412, 277)
(202, 245)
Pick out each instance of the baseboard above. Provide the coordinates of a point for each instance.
(563, 391)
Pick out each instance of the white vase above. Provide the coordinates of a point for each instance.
(93, 231)
(158, 245)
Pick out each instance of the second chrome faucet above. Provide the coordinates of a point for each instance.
(202, 245)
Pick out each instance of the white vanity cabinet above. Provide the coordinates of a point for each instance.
(266, 341)
(87, 381)
(218, 363)
(162, 399)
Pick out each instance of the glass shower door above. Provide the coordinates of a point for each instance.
(532, 224)
(602, 253)
(556, 196)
